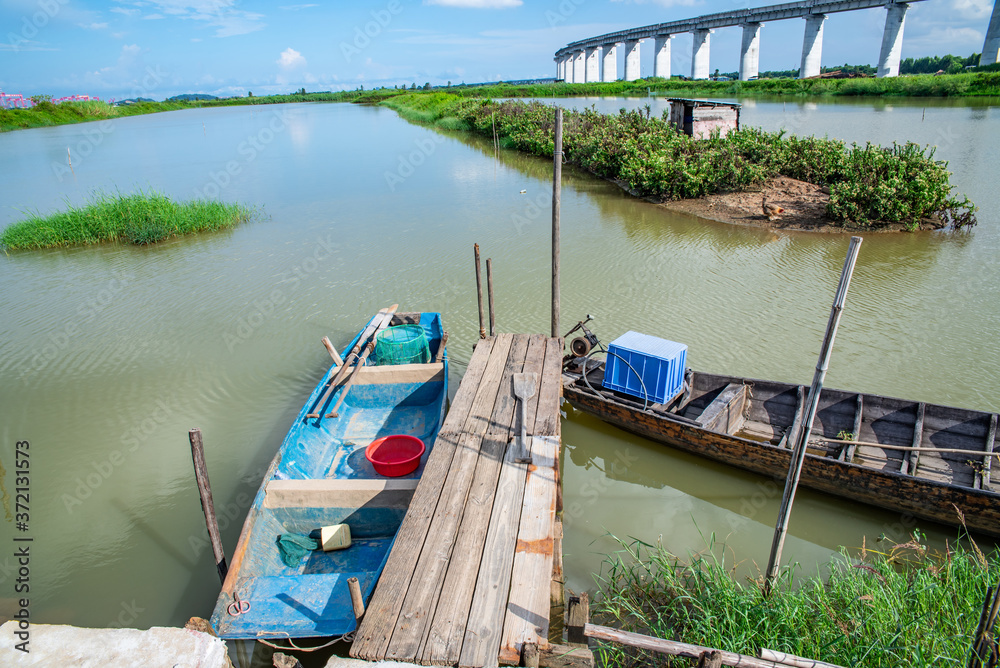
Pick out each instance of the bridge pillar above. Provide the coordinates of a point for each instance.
(661, 63)
(892, 40)
(991, 47)
(750, 51)
(812, 46)
(579, 67)
(593, 64)
(699, 54)
(632, 59)
(609, 68)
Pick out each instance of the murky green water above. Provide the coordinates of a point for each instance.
(109, 355)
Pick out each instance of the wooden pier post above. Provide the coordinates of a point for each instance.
(489, 290)
(479, 293)
(577, 617)
(205, 490)
(557, 157)
(357, 600)
(802, 437)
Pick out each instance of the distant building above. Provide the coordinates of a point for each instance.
(699, 118)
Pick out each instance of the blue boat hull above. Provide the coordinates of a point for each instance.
(320, 477)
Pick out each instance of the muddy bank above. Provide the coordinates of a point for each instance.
(804, 207)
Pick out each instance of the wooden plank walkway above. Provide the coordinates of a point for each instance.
(447, 596)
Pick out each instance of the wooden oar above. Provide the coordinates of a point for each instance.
(380, 319)
(354, 374)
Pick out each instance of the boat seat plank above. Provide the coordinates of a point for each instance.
(334, 493)
(399, 373)
(848, 452)
(791, 435)
(375, 631)
(725, 412)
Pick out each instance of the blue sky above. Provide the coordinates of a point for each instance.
(158, 48)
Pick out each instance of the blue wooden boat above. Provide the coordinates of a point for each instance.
(320, 477)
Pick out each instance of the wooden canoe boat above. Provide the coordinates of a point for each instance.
(919, 459)
(320, 477)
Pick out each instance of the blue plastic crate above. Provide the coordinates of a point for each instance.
(660, 364)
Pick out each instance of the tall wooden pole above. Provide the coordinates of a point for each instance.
(205, 489)
(489, 292)
(557, 158)
(479, 292)
(798, 455)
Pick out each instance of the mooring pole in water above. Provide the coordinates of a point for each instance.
(795, 467)
(489, 291)
(479, 293)
(205, 490)
(557, 157)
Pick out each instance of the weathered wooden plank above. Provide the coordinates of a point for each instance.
(717, 416)
(527, 615)
(447, 628)
(983, 477)
(375, 631)
(790, 437)
(479, 641)
(547, 418)
(557, 588)
(421, 597)
(848, 452)
(563, 656)
(910, 460)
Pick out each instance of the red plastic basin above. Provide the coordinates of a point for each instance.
(395, 455)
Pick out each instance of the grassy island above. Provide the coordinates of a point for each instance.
(141, 218)
(900, 607)
(870, 186)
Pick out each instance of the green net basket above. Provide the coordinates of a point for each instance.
(402, 344)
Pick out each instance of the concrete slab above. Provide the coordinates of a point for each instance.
(159, 647)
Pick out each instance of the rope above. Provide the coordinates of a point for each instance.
(347, 637)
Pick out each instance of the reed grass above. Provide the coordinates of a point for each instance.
(904, 606)
(140, 218)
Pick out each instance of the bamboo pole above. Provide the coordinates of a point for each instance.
(489, 291)
(802, 438)
(479, 292)
(682, 649)
(557, 158)
(207, 506)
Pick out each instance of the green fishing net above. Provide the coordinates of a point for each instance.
(402, 344)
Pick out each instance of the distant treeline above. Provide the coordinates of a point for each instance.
(930, 64)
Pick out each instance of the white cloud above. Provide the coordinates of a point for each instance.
(973, 9)
(295, 8)
(940, 41)
(153, 17)
(221, 14)
(94, 26)
(290, 59)
(125, 11)
(477, 4)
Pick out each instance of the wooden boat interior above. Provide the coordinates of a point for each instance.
(876, 432)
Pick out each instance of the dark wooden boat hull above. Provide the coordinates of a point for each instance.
(912, 496)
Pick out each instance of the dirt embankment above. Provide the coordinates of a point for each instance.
(804, 207)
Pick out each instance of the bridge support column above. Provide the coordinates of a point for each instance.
(579, 67)
(609, 68)
(593, 64)
(699, 54)
(631, 59)
(661, 64)
(750, 51)
(892, 40)
(991, 47)
(812, 46)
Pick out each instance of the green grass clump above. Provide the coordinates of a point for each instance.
(871, 186)
(906, 607)
(140, 218)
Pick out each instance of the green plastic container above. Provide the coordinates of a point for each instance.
(402, 344)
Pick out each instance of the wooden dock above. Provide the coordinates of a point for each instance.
(480, 513)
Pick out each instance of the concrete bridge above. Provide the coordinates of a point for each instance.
(582, 61)
(991, 47)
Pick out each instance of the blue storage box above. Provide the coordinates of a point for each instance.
(660, 364)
